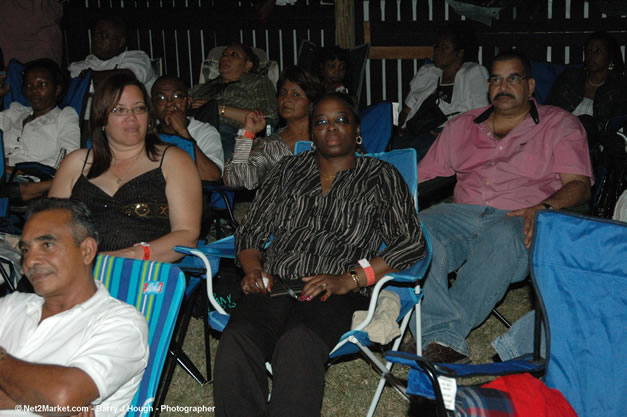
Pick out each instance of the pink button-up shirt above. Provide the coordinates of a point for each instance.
(518, 171)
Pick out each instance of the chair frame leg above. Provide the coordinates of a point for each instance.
(176, 355)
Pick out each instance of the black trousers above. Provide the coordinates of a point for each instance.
(295, 337)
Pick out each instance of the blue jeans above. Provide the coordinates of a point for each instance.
(519, 339)
(486, 249)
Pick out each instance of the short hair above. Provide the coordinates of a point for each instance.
(248, 51)
(310, 84)
(514, 54)
(613, 49)
(462, 36)
(118, 22)
(168, 77)
(332, 53)
(106, 97)
(345, 98)
(59, 77)
(82, 225)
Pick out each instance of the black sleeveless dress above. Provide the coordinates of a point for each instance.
(137, 212)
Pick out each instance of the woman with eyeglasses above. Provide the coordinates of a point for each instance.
(145, 196)
(328, 212)
(453, 83)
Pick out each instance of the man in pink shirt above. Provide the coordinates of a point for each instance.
(511, 159)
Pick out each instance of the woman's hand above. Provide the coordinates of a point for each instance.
(327, 284)
(253, 282)
(255, 121)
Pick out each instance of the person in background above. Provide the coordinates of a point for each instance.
(458, 82)
(41, 132)
(145, 196)
(238, 90)
(596, 92)
(334, 69)
(171, 103)
(254, 157)
(109, 55)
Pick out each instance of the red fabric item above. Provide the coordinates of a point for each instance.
(531, 397)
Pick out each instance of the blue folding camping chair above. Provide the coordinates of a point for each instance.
(404, 283)
(579, 272)
(156, 290)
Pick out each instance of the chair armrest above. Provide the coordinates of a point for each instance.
(35, 169)
(210, 272)
(433, 191)
(223, 248)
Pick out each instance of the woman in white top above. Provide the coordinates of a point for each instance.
(461, 85)
(41, 133)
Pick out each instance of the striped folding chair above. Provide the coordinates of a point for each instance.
(156, 289)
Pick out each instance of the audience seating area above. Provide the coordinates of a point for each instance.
(567, 247)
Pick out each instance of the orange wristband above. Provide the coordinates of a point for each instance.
(250, 135)
(146, 247)
(368, 270)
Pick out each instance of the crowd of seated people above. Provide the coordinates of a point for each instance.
(511, 155)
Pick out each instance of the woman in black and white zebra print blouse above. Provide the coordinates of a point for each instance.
(328, 213)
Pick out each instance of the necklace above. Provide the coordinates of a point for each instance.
(595, 84)
(120, 177)
(327, 177)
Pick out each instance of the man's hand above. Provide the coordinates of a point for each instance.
(255, 121)
(252, 283)
(175, 118)
(528, 215)
(327, 284)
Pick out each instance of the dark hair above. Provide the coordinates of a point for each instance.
(168, 77)
(82, 224)
(513, 54)
(250, 54)
(106, 97)
(331, 53)
(118, 22)
(59, 77)
(613, 49)
(463, 38)
(308, 83)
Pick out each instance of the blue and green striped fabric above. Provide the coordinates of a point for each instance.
(156, 289)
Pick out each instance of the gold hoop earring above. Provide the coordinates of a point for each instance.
(359, 140)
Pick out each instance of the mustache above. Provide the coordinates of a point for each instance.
(503, 95)
(29, 272)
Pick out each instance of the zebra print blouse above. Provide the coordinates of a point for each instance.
(315, 234)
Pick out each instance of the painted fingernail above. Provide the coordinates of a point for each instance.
(323, 298)
(308, 298)
(301, 298)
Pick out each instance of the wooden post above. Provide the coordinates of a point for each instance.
(345, 23)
